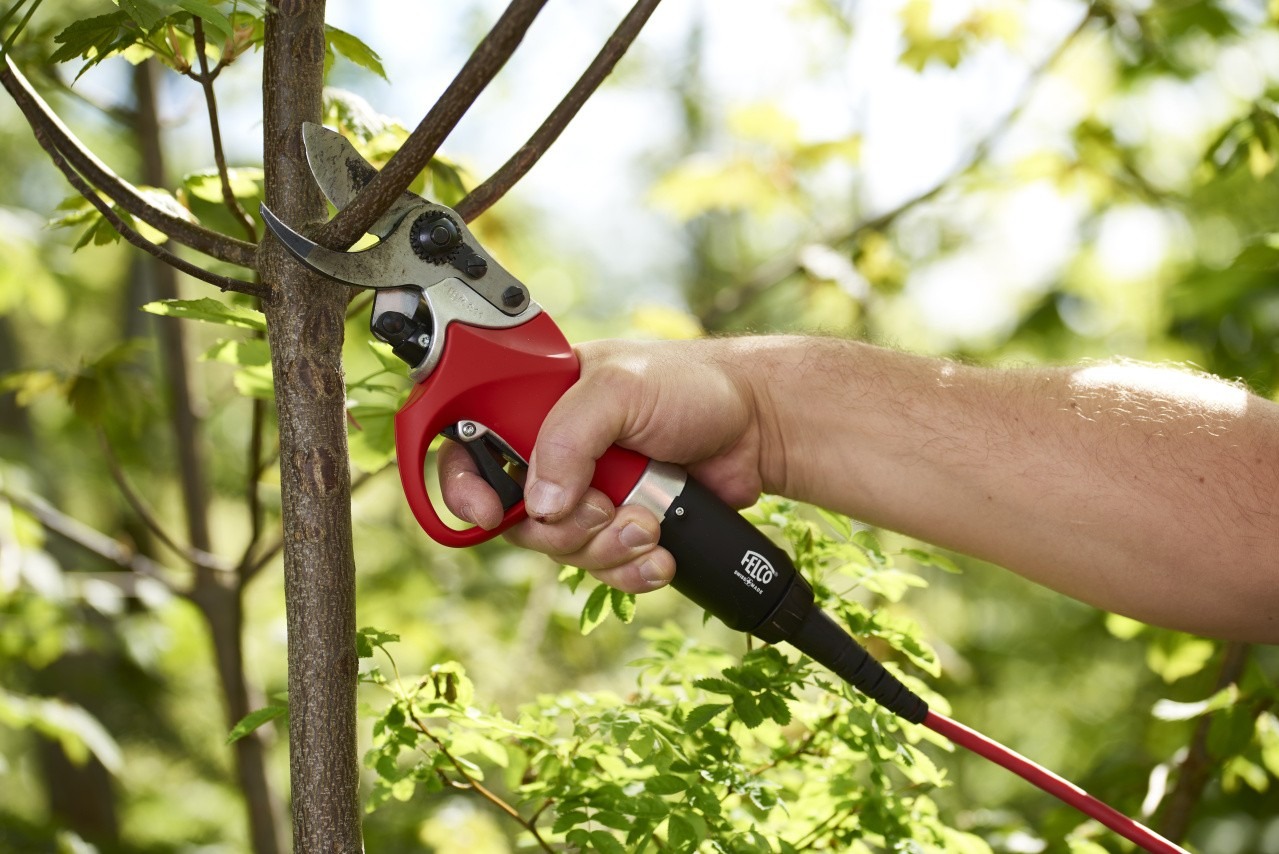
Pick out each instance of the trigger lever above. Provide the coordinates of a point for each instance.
(490, 453)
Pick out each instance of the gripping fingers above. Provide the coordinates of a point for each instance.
(621, 547)
(466, 494)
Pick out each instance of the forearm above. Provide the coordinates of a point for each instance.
(1145, 491)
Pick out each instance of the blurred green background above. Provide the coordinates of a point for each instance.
(1004, 183)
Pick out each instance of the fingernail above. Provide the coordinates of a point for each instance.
(464, 513)
(590, 516)
(544, 499)
(653, 575)
(634, 537)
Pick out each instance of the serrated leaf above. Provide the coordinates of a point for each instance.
(701, 715)
(715, 685)
(623, 604)
(146, 13)
(774, 706)
(95, 39)
(593, 610)
(568, 820)
(353, 49)
(212, 17)
(209, 310)
(368, 637)
(748, 710)
(253, 720)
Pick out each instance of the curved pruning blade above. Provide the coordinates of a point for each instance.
(341, 173)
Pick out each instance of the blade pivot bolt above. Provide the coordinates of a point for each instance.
(512, 296)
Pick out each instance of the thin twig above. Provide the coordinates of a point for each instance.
(772, 272)
(90, 539)
(196, 557)
(799, 749)
(252, 488)
(205, 79)
(501, 181)
(48, 127)
(416, 152)
(478, 787)
(223, 283)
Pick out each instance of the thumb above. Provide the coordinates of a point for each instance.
(577, 431)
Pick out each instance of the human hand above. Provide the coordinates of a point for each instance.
(687, 402)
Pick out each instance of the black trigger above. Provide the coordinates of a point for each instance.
(489, 464)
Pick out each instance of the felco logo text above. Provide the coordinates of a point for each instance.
(758, 567)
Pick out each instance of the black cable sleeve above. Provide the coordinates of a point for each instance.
(821, 639)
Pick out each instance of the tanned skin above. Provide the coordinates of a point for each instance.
(1145, 490)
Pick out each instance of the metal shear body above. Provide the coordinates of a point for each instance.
(488, 362)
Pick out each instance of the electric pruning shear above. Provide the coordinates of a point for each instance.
(489, 364)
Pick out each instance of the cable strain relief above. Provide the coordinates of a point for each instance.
(821, 639)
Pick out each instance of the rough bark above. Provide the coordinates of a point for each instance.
(304, 326)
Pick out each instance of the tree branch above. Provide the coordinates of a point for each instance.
(412, 157)
(196, 557)
(205, 79)
(469, 782)
(772, 272)
(501, 181)
(221, 282)
(44, 123)
(90, 539)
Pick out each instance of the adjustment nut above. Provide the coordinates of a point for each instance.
(434, 236)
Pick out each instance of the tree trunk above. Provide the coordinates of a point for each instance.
(305, 327)
(219, 600)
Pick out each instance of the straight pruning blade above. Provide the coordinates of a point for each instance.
(341, 173)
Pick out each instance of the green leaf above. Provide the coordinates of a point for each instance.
(1170, 710)
(213, 18)
(353, 49)
(210, 311)
(593, 610)
(1175, 656)
(206, 185)
(146, 13)
(250, 352)
(623, 604)
(95, 38)
(665, 784)
(253, 720)
(1231, 731)
(605, 843)
(680, 834)
(368, 637)
(701, 715)
(929, 558)
(748, 710)
(387, 359)
(371, 436)
(774, 706)
(717, 686)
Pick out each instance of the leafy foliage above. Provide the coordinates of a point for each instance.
(766, 755)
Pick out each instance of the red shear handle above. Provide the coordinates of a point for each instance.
(507, 380)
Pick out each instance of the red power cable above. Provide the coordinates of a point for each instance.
(1058, 787)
